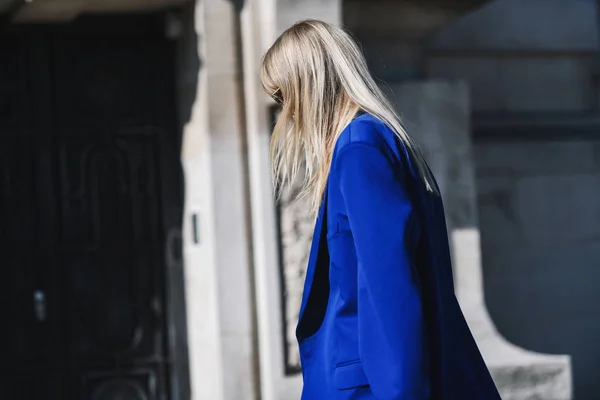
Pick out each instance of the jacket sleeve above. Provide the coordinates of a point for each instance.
(390, 318)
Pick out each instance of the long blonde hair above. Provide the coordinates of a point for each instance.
(320, 74)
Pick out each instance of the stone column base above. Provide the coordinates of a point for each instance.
(522, 375)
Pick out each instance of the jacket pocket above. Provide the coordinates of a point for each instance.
(350, 375)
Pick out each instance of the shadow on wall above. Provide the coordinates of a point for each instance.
(187, 66)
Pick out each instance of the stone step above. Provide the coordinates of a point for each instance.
(548, 378)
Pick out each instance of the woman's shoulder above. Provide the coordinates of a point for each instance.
(366, 129)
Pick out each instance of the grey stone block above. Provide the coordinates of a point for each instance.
(540, 379)
(524, 24)
(520, 83)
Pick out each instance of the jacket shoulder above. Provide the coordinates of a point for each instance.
(369, 130)
(365, 129)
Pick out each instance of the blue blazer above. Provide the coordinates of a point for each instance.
(379, 318)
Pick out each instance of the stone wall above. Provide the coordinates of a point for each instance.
(522, 56)
(296, 226)
(218, 265)
(532, 73)
(540, 215)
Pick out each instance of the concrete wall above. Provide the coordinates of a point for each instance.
(522, 55)
(218, 265)
(532, 62)
(540, 218)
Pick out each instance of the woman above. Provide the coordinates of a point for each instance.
(379, 319)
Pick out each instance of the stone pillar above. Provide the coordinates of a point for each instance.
(437, 114)
(216, 234)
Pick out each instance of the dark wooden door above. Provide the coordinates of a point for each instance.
(87, 149)
(25, 233)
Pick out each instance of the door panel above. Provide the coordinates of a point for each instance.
(28, 257)
(84, 141)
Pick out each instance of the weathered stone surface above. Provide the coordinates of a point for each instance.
(296, 229)
(217, 268)
(542, 379)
